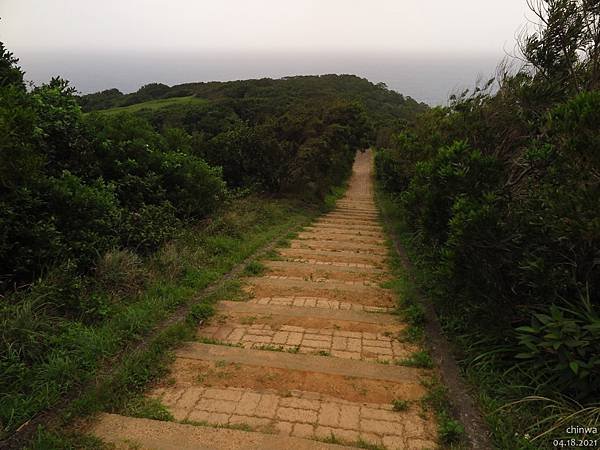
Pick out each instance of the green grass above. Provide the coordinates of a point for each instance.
(155, 104)
(177, 272)
(146, 408)
(419, 359)
(254, 268)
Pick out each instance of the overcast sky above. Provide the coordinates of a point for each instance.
(374, 25)
(424, 48)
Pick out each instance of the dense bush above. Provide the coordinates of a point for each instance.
(74, 187)
(501, 189)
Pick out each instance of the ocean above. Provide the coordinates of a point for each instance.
(429, 78)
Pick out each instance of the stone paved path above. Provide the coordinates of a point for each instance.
(311, 357)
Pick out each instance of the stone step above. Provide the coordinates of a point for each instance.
(341, 292)
(354, 228)
(349, 222)
(147, 434)
(319, 272)
(342, 231)
(318, 302)
(360, 281)
(302, 285)
(349, 315)
(338, 237)
(353, 214)
(334, 338)
(296, 412)
(364, 259)
(377, 249)
(365, 271)
(301, 362)
(352, 217)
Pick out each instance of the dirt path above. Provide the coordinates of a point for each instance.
(310, 358)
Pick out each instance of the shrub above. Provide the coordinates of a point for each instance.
(87, 216)
(455, 171)
(193, 187)
(562, 347)
(149, 226)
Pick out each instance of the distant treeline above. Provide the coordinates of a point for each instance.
(502, 192)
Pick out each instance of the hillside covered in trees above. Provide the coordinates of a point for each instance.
(94, 200)
(499, 195)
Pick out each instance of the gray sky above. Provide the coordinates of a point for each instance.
(423, 48)
(310, 25)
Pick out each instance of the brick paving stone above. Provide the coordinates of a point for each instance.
(378, 350)
(299, 403)
(292, 328)
(380, 427)
(370, 438)
(315, 344)
(394, 442)
(381, 414)
(348, 436)
(303, 430)
(170, 397)
(223, 394)
(345, 355)
(294, 338)
(189, 398)
(376, 343)
(421, 444)
(284, 428)
(222, 333)
(209, 417)
(339, 343)
(280, 337)
(253, 422)
(248, 403)
(317, 337)
(212, 405)
(329, 415)
(354, 345)
(349, 417)
(296, 415)
(267, 406)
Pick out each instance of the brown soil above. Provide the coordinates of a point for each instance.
(185, 372)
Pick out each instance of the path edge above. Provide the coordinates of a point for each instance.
(442, 352)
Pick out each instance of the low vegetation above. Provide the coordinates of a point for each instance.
(497, 200)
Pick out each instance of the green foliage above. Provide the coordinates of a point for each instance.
(450, 430)
(500, 193)
(562, 346)
(453, 174)
(400, 405)
(201, 311)
(254, 268)
(418, 359)
(147, 408)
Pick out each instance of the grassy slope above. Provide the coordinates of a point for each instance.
(155, 104)
(176, 273)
